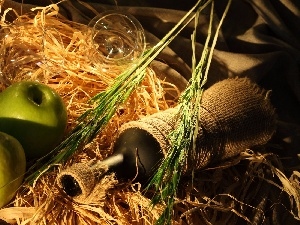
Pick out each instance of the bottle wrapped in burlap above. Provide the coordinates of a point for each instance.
(236, 114)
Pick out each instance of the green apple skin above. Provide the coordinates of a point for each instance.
(35, 115)
(12, 167)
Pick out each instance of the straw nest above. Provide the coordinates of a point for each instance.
(251, 189)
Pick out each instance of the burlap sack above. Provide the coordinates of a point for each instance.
(235, 115)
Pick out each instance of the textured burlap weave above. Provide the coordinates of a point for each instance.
(159, 125)
(235, 115)
(90, 180)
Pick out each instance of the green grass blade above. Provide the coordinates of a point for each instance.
(183, 138)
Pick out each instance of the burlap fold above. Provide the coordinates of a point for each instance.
(236, 114)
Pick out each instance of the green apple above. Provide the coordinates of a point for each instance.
(35, 115)
(12, 167)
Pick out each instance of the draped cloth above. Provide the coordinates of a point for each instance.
(259, 40)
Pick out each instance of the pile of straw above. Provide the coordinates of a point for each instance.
(57, 52)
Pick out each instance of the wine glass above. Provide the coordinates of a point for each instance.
(117, 37)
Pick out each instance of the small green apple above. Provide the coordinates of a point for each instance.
(12, 167)
(35, 115)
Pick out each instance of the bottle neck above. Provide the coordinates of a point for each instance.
(136, 155)
(113, 161)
